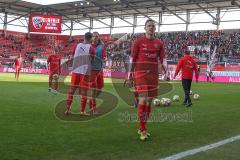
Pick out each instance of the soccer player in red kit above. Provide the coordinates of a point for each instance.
(81, 71)
(146, 52)
(96, 81)
(100, 48)
(18, 66)
(188, 65)
(54, 69)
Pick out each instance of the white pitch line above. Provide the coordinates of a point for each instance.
(201, 149)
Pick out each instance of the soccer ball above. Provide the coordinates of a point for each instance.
(176, 98)
(166, 102)
(55, 77)
(156, 102)
(196, 96)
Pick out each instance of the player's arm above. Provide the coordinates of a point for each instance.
(196, 71)
(59, 62)
(15, 63)
(104, 53)
(179, 66)
(132, 60)
(92, 54)
(76, 58)
(48, 63)
(163, 62)
(70, 61)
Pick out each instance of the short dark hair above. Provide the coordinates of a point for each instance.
(96, 32)
(149, 20)
(88, 36)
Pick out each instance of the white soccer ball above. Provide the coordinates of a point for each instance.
(196, 96)
(176, 98)
(156, 102)
(166, 102)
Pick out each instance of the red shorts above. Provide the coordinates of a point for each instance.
(51, 73)
(91, 80)
(151, 91)
(18, 68)
(100, 80)
(146, 83)
(77, 79)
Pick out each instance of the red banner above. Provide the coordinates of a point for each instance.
(45, 23)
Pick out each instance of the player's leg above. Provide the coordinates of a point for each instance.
(212, 77)
(189, 101)
(83, 95)
(73, 87)
(152, 92)
(100, 83)
(93, 99)
(70, 98)
(18, 71)
(142, 114)
(83, 100)
(148, 97)
(185, 89)
(144, 110)
(93, 90)
(55, 83)
(50, 79)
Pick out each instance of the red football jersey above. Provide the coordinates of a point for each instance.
(18, 62)
(54, 63)
(104, 53)
(146, 53)
(188, 66)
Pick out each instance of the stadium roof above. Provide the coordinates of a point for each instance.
(48, 2)
(97, 9)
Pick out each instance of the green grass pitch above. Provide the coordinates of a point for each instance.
(30, 130)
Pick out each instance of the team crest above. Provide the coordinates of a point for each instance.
(38, 22)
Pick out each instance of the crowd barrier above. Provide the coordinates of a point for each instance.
(220, 76)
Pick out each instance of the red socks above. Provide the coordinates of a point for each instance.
(93, 105)
(147, 111)
(143, 115)
(83, 103)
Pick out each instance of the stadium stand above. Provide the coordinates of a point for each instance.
(176, 43)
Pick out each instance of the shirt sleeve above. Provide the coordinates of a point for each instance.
(179, 66)
(196, 70)
(162, 57)
(161, 53)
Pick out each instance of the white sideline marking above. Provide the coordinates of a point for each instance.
(201, 149)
